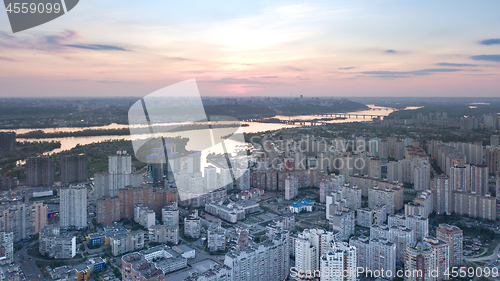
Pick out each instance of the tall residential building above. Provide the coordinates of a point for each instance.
(108, 210)
(243, 240)
(442, 256)
(375, 168)
(144, 216)
(6, 247)
(242, 178)
(73, 168)
(342, 222)
(225, 178)
(73, 210)
(291, 187)
(18, 220)
(422, 177)
(153, 197)
(367, 217)
(443, 195)
(382, 255)
(210, 178)
(363, 256)
(418, 224)
(340, 258)
(170, 214)
(39, 171)
(38, 217)
(266, 261)
(495, 140)
(497, 189)
(399, 235)
(475, 206)
(479, 179)
(310, 245)
(216, 237)
(420, 261)
(492, 158)
(455, 238)
(192, 225)
(7, 142)
(458, 178)
(118, 177)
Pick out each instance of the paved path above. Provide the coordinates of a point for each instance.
(489, 258)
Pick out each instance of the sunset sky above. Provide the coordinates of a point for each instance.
(258, 48)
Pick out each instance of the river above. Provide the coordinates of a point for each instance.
(195, 142)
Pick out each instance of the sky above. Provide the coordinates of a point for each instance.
(258, 48)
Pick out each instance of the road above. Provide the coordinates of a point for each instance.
(491, 258)
(28, 266)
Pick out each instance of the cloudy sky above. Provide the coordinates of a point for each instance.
(258, 48)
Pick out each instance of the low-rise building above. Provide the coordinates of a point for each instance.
(232, 212)
(56, 243)
(151, 264)
(164, 234)
(301, 206)
(125, 242)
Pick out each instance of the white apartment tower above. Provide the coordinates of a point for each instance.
(339, 263)
(310, 245)
(73, 207)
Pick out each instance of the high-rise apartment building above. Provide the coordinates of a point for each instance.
(216, 237)
(310, 245)
(39, 171)
(418, 224)
(192, 225)
(441, 255)
(458, 178)
(144, 216)
(443, 194)
(73, 212)
(382, 255)
(152, 197)
(422, 177)
(6, 247)
(419, 261)
(266, 261)
(492, 158)
(7, 142)
(291, 187)
(38, 217)
(210, 178)
(118, 177)
(340, 262)
(479, 179)
(108, 210)
(170, 214)
(454, 237)
(73, 168)
(18, 220)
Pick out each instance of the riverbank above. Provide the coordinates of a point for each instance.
(39, 134)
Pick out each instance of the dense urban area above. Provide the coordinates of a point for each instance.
(361, 189)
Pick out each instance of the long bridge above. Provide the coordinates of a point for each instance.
(349, 115)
